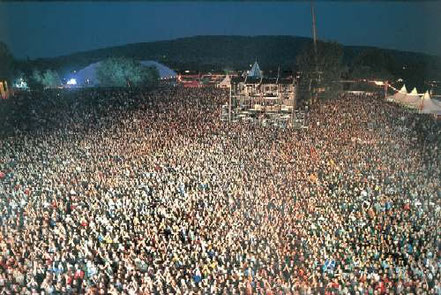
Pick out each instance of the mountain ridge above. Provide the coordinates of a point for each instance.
(224, 52)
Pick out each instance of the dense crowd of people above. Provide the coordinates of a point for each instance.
(149, 192)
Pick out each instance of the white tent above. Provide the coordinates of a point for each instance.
(255, 71)
(225, 83)
(399, 96)
(429, 105)
(403, 89)
(412, 100)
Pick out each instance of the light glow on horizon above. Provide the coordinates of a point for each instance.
(72, 82)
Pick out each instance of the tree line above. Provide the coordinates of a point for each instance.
(112, 72)
(205, 54)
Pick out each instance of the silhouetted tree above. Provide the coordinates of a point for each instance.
(373, 63)
(47, 79)
(51, 79)
(6, 61)
(35, 80)
(125, 72)
(323, 71)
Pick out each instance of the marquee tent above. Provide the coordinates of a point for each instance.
(429, 105)
(225, 83)
(399, 96)
(408, 99)
(412, 100)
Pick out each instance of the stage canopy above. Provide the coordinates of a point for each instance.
(87, 76)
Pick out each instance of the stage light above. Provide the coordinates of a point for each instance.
(72, 82)
(21, 84)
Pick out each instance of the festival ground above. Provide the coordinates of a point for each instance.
(149, 192)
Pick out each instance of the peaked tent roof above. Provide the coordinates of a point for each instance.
(403, 89)
(226, 81)
(414, 91)
(429, 105)
(255, 71)
(399, 96)
(413, 99)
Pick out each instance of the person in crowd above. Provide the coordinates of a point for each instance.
(149, 192)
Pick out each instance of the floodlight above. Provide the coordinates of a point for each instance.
(72, 82)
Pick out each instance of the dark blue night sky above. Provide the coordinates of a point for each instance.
(51, 29)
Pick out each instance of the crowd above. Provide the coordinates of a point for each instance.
(148, 192)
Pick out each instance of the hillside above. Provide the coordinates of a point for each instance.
(205, 53)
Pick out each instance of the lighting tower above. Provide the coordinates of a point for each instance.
(316, 75)
(314, 28)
